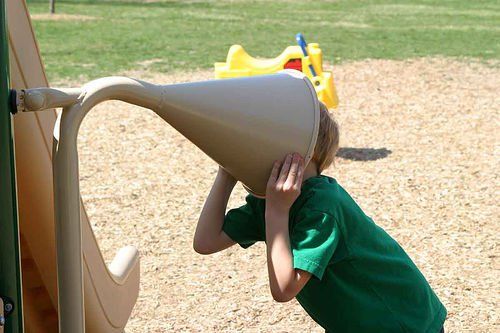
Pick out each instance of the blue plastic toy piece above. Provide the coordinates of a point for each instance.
(303, 45)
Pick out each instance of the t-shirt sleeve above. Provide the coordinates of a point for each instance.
(314, 238)
(241, 224)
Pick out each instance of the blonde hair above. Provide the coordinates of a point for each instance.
(327, 143)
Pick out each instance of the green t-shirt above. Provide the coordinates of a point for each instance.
(363, 281)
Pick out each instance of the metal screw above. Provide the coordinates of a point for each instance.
(8, 307)
(2, 321)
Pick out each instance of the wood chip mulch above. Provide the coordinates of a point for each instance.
(419, 152)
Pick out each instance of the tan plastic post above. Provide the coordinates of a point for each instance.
(67, 189)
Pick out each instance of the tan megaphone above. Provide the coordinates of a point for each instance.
(244, 124)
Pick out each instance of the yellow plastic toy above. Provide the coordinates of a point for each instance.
(303, 57)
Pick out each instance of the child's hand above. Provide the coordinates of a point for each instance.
(283, 187)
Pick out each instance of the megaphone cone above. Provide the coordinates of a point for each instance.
(245, 124)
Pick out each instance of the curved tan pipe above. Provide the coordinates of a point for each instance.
(67, 188)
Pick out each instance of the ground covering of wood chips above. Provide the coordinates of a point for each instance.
(420, 152)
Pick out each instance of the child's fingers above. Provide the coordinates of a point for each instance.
(274, 173)
(292, 173)
(284, 169)
(300, 173)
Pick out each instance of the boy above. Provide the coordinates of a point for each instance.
(347, 273)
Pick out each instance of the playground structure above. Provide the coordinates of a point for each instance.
(307, 58)
(110, 293)
(59, 256)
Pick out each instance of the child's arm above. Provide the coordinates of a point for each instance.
(209, 237)
(283, 188)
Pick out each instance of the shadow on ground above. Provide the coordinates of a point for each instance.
(363, 154)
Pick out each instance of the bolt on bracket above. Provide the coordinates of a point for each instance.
(2, 318)
(6, 308)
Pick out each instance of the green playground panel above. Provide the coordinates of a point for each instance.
(10, 268)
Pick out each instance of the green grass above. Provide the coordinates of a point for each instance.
(186, 35)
